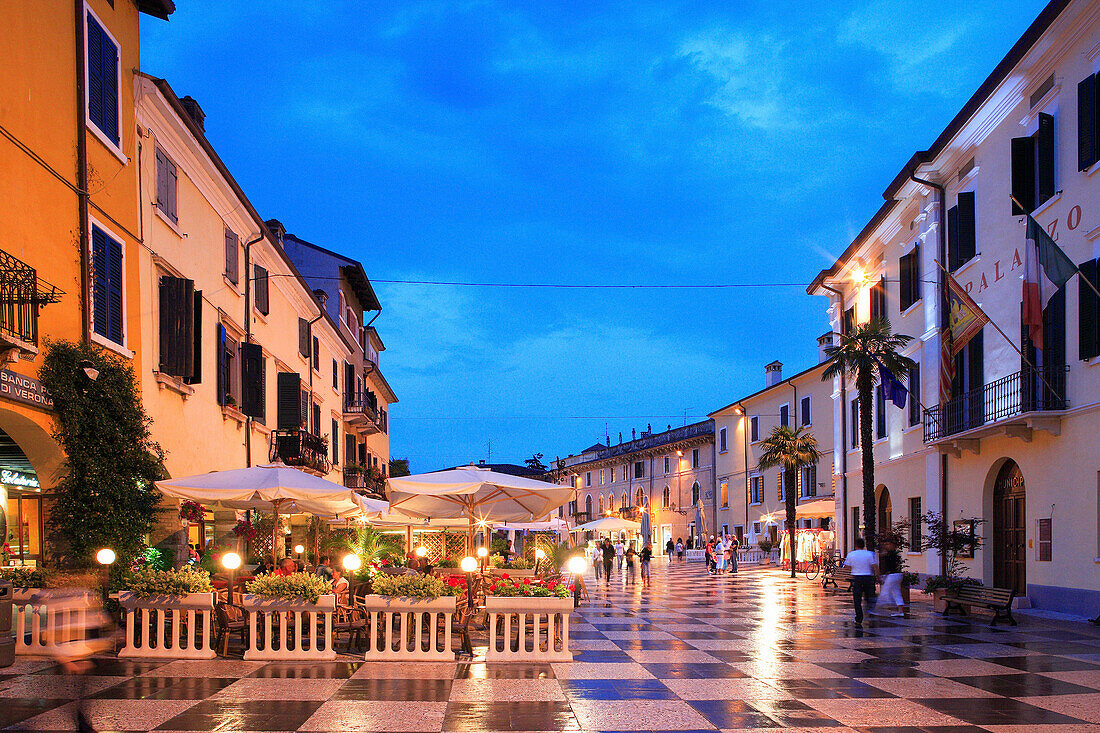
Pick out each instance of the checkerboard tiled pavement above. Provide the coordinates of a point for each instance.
(754, 651)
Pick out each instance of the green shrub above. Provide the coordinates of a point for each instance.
(520, 563)
(153, 558)
(25, 577)
(447, 562)
(306, 586)
(413, 586)
(509, 588)
(148, 582)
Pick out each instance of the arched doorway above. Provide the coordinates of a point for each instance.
(1009, 532)
(885, 511)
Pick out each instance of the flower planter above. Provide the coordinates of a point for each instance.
(541, 628)
(401, 628)
(939, 602)
(524, 573)
(289, 628)
(50, 622)
(188, 637)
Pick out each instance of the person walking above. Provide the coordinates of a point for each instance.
(864, 567)
(619, 550)
(608, 559)
(670, 547)
(595, 555)
(679, 549)
(734, 547)
(646, 555)
(891, 578)
(630, 556)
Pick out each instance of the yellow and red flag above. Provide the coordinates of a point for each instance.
(964, 317)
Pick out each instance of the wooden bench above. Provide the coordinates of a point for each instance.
(997, 600)
(842, 574)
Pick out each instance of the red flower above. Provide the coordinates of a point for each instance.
(526, 581)
(505, 576)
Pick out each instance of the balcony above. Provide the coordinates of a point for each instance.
(22, 294)
(1012, 405)
(360, 413)
(368, 481)
(301, 449)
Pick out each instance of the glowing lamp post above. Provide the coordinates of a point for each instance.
(577, 566)
(352, 562)
(540, 555)
(298, 550)
(469, 566)
(106, 558)
(484, 555)
(421, 557)
(231, 561)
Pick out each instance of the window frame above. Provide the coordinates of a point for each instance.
(754, 429)
(722, 447)
(103, 339)
(89, 123)
(805, 409)
(785, 414)
(909, 274)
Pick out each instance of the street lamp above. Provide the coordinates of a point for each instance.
(298, 550)
(483, 553)
(469, 566)
(106, 557)
(231, 561)
(352, 562)
(577, 566)
(540, 555)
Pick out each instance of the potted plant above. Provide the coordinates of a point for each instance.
(191, 512)
(521, 605)
(286, 603)
(155, 602)
(951, 541)
(410, 616)
(765, 546)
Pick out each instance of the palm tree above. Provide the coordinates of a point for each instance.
(790, 449)
(858, 355)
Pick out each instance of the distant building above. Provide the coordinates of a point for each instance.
(511, 469)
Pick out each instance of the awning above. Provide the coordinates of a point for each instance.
(814, 509)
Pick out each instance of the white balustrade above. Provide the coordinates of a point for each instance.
(540, 627)
(695, 555)
(289, 628)
(409, 629)
(168, 627)
(50, 622)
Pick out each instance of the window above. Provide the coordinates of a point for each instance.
(252, 380)
(725, 530)
(721, 442)
(1088, 132)
(232, 256)
(1088, 310)
(694, 494)
(335, 375)
(849, 321)
(854, 423)
(807, 417)
(611, 502)
(639, 469)
(785, 415)
(587, 478)
(856, 530)
(754, 428)
(260, 276)
(724, 492)
(291, 402)
(303, 337)
(756, 528)
(573, 507)
(666, 497)
(914, 395)
(666, 464)
(601, 504)
(695, 458)
(739, 532)
(880, 413)
(229, 372)
(1033, 167)
(909, 265)
(626, 498)
(180, 321)
(756, 490)
(914, 524)
(961, 231)
(807, 477)
(601, 477)
(335, 440)
(316, 355)
(167, 175)
(103, 84)
(588, 505)
(316, 419)
(878, 300)
(107, 316)
(1043, 541)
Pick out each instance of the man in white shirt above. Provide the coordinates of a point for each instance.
(620, 550)
(864, 565)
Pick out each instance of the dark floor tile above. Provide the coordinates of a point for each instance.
(1023, 685)
(319, 670)
(17, 709)
(592, 655)
(1054, 647)
(164, 688)
(652, 644)
(1003, 711)
(227, 715)
(874, 668)
(510, 671)
(430, 690)
(616, 690)
(1043, 663)
(107, 667)
(500, 716)
(731, 714)
(588, 635)
(695, 671)
(716, 635)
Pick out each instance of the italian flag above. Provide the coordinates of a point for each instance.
(1046, 269)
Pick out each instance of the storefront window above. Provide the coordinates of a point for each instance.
(24, 526)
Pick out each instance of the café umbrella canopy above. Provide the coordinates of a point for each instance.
(272, 487)
(478, 495)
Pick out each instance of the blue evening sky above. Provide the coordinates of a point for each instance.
(584, 143)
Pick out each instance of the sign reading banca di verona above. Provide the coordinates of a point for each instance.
(24, 389)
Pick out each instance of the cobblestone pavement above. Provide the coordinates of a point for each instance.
(753, 651)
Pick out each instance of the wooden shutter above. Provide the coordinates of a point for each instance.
(968, 232)
(108, 286)
(1054, 329)
(95, 73)
(779, 486)
(349, 384)
(316, 419)
(110, 88)
(335, 438)
(288, 401)
(303, 337)
(1087, 152)
(252, 380)
(162, 181)
(232, 256)
(1023, 174)
(100, 284)
(262, 304)
(222, 360)
(177, 318)
(1088, 310)
(303, 406)
(349, 448)
(195, 376)
(1046, 158)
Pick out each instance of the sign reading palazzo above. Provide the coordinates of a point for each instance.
(27, 390)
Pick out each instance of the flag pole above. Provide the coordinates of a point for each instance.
(1084, 279)
(1011, 343)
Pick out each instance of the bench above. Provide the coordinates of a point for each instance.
(842, 574)
(997, 600)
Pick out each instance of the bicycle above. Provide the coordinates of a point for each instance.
(825, 567)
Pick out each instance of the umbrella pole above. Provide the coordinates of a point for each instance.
(274, 533)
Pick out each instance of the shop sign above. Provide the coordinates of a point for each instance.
(27, 390)
(18, 478)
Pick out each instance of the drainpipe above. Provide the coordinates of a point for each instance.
(843, 431)
(248, 334)
(82, 177)
(309, 330)
(794, 411)
(943, 327)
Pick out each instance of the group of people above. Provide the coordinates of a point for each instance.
(605, 555)
(721, 556)
(677, 548)
(866, 568)
(324, 569)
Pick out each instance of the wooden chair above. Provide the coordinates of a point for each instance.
(230, 619)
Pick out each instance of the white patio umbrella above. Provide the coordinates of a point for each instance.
(274, 486)
(476, 495)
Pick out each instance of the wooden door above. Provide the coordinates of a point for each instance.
(1009, 533)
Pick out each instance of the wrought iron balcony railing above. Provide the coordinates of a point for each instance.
(300, 448)
(1029, 390)
(22, 293)
(363, 412)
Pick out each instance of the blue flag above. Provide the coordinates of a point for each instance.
(892, 389)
